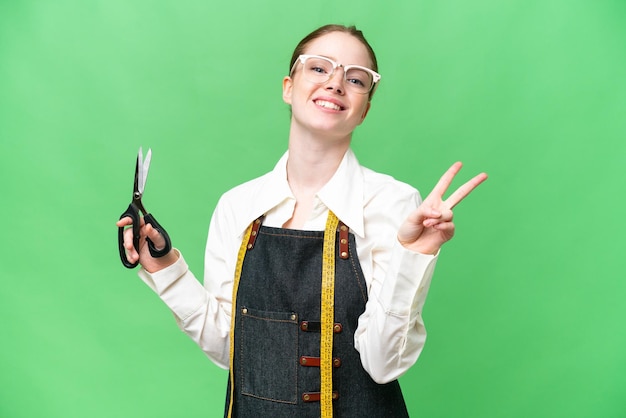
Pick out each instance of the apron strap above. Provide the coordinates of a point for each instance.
(240, 256)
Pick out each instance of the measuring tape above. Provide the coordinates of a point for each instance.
(328, 316)
(238, 266)
(327, 311)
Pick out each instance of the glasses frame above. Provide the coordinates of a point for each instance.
(303, 57)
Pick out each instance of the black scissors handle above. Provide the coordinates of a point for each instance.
(133, 213)
(149, 219)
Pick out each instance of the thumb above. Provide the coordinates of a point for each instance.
(155, 237)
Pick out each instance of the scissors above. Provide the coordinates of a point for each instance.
(133, 211)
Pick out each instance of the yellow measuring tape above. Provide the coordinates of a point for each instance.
(327, 314)
(240, 257)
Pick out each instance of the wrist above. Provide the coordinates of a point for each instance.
(157, 264)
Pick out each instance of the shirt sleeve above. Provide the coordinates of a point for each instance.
(391, 332)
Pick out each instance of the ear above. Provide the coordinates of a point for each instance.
(287, 88)
(367, 109)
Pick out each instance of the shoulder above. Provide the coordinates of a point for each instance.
(237, 206)
(387, 203)
(259, 190)
(244, 203)
(245, 191)
(379, 187)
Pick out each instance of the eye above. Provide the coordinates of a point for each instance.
(318, 67)
(358, 77)
(318, 70)
(356, 81)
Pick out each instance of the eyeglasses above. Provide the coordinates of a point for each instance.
(319, 70)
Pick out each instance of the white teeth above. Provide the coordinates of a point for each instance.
(327, 105)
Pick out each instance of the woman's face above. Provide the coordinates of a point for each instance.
(329, 108)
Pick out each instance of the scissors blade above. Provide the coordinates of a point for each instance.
(141, 173)
(137, 176)
(144, 170)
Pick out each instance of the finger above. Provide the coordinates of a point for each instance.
(132, 256)
(446, 228)
(155, 237)
(444, 216)
(424, 211)
(445, 180)
(462, 192)
(125, 221)
(128, 239)
(131, 252)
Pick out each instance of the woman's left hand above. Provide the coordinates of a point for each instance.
(430, 225)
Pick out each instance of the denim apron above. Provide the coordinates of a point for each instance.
(277, 333)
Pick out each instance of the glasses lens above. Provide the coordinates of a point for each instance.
(359, 80)
(318, 70)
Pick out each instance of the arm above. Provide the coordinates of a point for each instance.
(203, 313)
(391, 332)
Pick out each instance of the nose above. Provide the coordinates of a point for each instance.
(336, 81)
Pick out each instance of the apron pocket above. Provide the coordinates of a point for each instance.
(269, 355)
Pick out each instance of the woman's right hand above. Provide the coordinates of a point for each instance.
(149, 263)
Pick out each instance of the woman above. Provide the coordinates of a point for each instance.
(311, 321)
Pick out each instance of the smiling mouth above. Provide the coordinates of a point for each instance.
(328, 105)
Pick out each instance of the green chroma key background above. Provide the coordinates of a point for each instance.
(526, 311)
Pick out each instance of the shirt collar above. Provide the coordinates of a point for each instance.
(343, 194)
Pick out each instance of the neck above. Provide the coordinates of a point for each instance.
(313, 161)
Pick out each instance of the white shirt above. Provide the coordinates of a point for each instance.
(390, 334)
